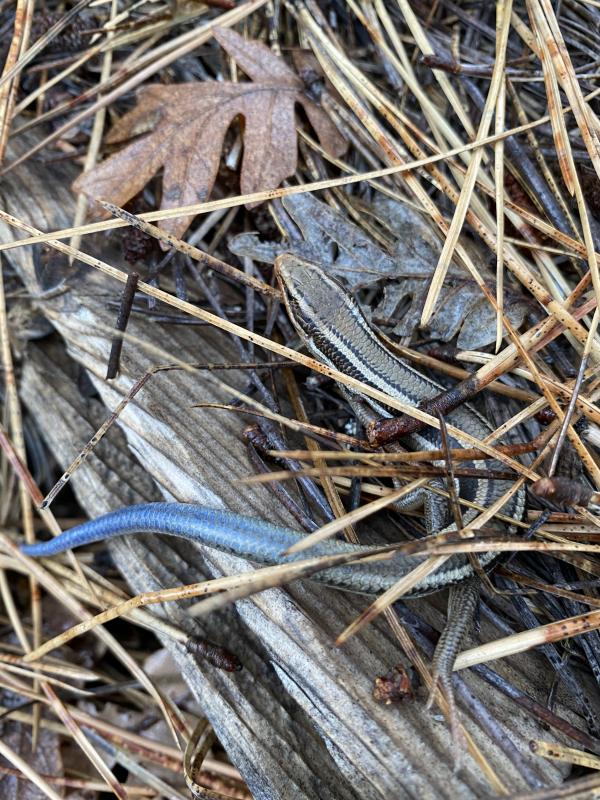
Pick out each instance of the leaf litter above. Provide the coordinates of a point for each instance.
(181, 129)
(331, 239)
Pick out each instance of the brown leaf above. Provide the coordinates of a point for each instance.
(188, 123)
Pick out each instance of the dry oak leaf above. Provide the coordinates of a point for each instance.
(188, 123)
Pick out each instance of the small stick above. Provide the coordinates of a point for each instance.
(122, 319)
(523, 580)
(314, 431)
(458, 454)
(459, 68)
(448, 64)
(557, 631)
(363, 471)
(559, 752)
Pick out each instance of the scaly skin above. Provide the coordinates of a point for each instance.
(242, 536)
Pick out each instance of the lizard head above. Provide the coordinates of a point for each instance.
(313, 298)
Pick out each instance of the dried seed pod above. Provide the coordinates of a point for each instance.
(563, 491)
(218, 656)
(545, 416)
(136, 245)
(395, 687)
(254, 436)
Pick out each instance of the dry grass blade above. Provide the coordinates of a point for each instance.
(585, 117)
(12, 612)
(18, 439)
(97, 127)
(576, 388)
(12, 669)
(105, 594)
(555, 590)
(559, 129)
(20, 468)
(374, 472)
(229, 590)
(426, 49)
(503, 14)
(83, 742)
(54, 667)
(557, 67)
(568, 755)
(500, 115)
(157, 752)
(521, 642)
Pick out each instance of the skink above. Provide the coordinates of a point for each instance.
(336, 331)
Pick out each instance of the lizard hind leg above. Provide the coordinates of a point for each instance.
(463, 600)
